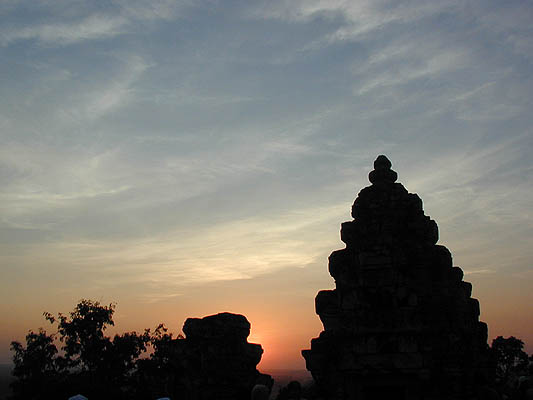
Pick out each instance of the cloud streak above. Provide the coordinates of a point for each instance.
(90, 28)
(87, 24)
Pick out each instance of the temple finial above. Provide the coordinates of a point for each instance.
(382, 172)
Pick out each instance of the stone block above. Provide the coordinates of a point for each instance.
(215, 360)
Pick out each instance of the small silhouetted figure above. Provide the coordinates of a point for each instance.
(260, 392)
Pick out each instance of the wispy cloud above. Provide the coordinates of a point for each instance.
(106, 96)
(491, 101)
(88, 23)
(90, 28)
(361, 17)
(177, 260)
(423, 66)
(141, 10)
(41, 180)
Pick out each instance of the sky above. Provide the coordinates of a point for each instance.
(183, 158)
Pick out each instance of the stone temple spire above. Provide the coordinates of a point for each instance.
(401, 322)
(382, 172)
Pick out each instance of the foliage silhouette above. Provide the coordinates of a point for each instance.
(90, 362)
(37, 368)
(156, 375)
(513, 373)
(510, 357)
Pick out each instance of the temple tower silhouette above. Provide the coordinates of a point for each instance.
(401, 322)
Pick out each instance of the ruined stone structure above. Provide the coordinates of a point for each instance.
(401, 323)
(215, 360)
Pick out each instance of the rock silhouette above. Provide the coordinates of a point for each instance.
(215, 359)
(401, 322)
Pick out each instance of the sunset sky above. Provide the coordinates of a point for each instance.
(183, 158)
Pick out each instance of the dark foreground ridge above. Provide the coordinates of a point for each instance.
(401, 323)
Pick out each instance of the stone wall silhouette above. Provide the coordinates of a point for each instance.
(215, 360)
(401, 322)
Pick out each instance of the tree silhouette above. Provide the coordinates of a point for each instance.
(157, 374)
(37, 368)
(510, 357)
(91, 363)
(83, 333)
